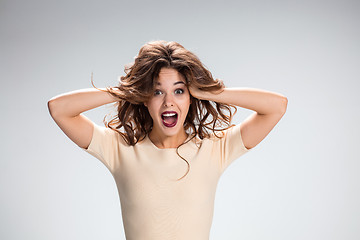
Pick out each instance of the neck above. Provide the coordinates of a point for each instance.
(163, 141)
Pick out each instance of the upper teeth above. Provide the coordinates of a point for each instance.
(169, 114)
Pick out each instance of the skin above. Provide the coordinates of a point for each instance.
(269, 107)
(171, 94)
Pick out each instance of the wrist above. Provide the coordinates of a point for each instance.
(214, 96)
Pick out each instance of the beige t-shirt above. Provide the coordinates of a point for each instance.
(154, 205)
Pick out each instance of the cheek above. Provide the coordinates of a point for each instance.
(185, 98)
(152, 108)
(185, 104)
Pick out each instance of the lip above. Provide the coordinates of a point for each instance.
(169, 112)
(169, 125)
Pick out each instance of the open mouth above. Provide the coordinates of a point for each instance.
(169, 118)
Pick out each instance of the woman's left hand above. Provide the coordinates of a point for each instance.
(196, 92)
(201, 94)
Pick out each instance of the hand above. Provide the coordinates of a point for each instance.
(196, 92)
(201, 94)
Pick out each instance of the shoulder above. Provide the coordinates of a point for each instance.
(106, 135)
(222, 134)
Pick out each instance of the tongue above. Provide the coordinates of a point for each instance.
(170, 120)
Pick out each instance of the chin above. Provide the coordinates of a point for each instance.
(172, 131)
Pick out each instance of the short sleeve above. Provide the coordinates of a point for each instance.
(232, 146)
(105, 146)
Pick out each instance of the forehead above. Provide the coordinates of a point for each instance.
(169, 75)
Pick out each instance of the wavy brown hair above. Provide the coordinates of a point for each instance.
(133, 121)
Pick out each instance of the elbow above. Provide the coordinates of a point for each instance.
(284, 102)
(52, 106)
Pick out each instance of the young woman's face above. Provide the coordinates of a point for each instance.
(169, 105)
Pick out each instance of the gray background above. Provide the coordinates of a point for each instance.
(300, 182)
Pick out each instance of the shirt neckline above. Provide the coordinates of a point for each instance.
(165, 149)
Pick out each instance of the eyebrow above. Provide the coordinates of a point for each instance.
(179, 82)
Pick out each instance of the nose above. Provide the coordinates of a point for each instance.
(168, 100)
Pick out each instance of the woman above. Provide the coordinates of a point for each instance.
(171, 139)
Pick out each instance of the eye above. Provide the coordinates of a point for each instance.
(179, 91)
(157, 92)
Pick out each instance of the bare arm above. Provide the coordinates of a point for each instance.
(66, 111)
(269, 108)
